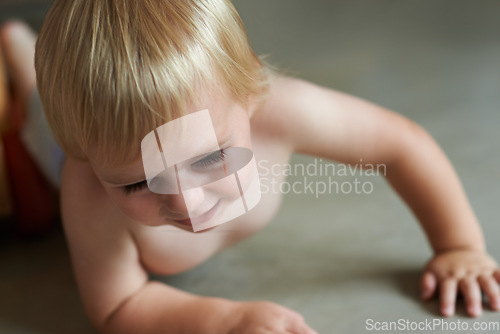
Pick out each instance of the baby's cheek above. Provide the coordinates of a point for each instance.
(141, 208)
(244, 180)
(225, 188)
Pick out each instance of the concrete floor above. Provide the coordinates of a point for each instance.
(339, 259)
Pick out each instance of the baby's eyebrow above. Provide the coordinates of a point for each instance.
(133, 180)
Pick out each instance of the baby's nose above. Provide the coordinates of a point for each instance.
(185, 202)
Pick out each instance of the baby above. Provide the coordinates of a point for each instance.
(113, 73)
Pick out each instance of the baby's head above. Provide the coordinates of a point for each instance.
(111, 71)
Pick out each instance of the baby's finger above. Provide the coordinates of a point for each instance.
(497, 275)
(448, 296)
(428, 285)
(308, 330)
(492, 290)
(472, 294)
(303, 329)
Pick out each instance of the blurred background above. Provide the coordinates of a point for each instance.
(342, 258)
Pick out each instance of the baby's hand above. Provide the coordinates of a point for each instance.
(467, 271)
(267, 318)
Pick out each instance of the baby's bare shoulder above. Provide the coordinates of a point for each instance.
(287, 106)
(84, 200)
(80, 188)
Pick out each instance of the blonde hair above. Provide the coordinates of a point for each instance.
(110, 71)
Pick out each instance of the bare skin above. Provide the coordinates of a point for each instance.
(19, 49)
(115, 241)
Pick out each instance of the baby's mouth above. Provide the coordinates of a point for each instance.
(204, 217)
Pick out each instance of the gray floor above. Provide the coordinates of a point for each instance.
(339, 259)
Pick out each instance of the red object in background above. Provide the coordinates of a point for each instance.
(32, 196)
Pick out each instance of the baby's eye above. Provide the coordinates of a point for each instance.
(211, 160)
(134, 187)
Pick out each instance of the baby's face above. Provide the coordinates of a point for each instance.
(139, 196)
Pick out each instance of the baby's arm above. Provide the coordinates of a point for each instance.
(340, 127)
(116, 293)
(114, 286)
